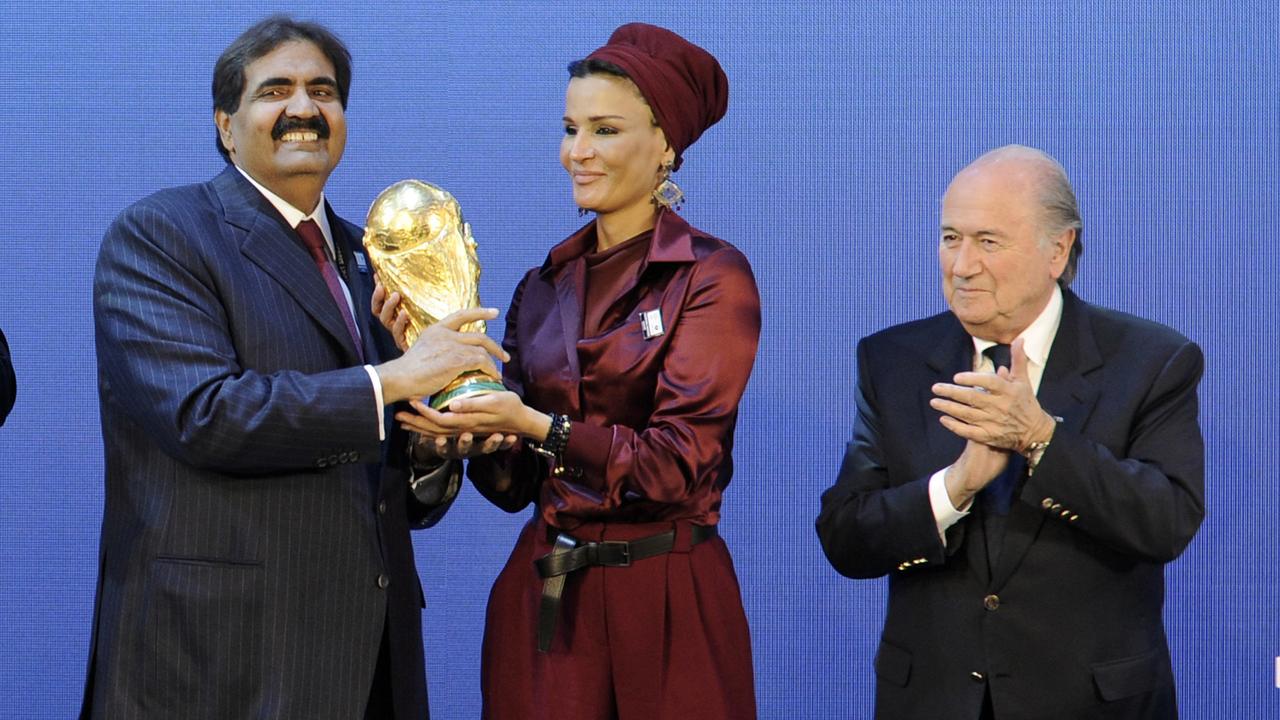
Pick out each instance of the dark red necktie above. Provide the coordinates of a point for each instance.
(310, 233)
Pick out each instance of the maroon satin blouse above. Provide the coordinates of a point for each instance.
(652, 419)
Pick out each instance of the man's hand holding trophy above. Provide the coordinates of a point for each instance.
(422, 249)
(428, 296)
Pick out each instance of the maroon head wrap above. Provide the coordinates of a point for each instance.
(683, 84)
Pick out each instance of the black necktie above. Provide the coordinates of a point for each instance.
(997, 497)
(999, 356)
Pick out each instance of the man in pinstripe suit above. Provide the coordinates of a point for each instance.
(255, 558)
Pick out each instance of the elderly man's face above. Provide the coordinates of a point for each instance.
(997, 274)
(290, 124)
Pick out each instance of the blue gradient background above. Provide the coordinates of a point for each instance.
(846, 121)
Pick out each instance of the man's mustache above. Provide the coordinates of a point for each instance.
(286, 124)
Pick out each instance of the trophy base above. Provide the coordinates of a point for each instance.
(465, 385)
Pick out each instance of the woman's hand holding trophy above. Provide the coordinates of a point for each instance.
(427, 296)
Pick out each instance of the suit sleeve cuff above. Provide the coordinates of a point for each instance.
(377, 402)
(944, 514)
(434, 485)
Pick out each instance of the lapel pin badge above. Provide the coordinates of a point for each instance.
(651, 323)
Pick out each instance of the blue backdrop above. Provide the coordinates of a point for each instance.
(846, 121)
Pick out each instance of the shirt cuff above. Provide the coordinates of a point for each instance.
(377, 400)
(944, 514)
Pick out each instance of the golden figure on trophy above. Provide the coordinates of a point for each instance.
(422, 248)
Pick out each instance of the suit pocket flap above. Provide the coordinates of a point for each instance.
(1129, 676)
(893, 664)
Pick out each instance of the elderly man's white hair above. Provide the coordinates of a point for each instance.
(1059, 210)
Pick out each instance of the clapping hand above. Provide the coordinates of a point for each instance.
(997, 409)
(997, 413)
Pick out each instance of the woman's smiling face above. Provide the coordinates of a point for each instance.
(612, 148)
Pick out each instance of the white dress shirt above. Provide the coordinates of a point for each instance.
(1037, 340)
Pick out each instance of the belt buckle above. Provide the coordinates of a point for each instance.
(626, 551)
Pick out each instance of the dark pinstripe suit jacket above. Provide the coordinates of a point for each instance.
(256, 532)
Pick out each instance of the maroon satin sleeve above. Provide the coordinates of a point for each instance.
(589, 448)
(520, 465)
(679, 457)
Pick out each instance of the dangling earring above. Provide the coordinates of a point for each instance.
(582, 212)
(668, 194)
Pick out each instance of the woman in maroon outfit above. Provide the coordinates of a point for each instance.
(630, 348)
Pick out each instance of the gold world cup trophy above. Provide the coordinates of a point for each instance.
(422, 248)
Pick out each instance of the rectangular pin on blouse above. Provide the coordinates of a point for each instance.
(651, 323)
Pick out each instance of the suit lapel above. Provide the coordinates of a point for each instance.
(952, 354)
(272, 245)
(1066, 391)
(358, 282)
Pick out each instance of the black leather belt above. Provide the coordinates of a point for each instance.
(569, 554)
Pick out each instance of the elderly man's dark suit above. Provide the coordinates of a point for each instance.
(1067, 622)
(256, 531)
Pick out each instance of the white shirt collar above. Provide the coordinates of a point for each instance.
(291, 214)
(1037, 338)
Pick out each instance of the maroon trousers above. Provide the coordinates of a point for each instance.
(663, 638)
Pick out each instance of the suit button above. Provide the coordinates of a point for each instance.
(977, 677)
(991, 602)
(382, 507)
(1046, 503)
(321, 463)
(383, 581)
